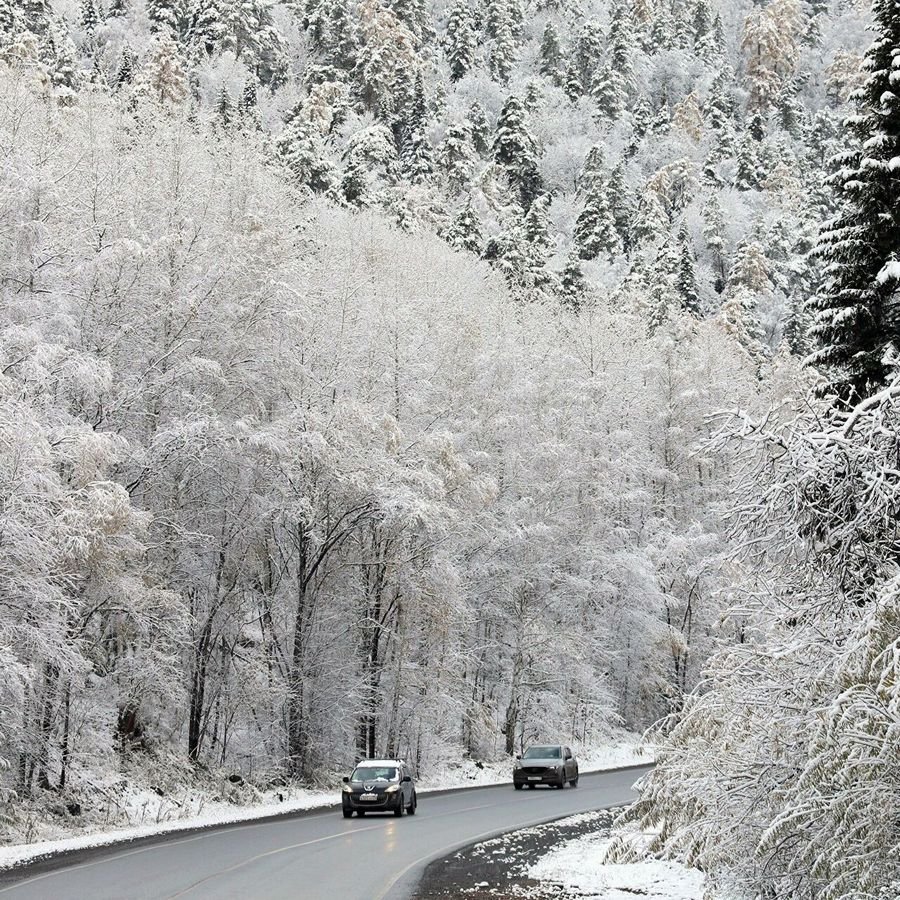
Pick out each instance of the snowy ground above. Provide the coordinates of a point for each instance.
(578, 868)
(151, 814)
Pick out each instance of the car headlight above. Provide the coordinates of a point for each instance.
(393, 789)
(348, 789)
(552, 768)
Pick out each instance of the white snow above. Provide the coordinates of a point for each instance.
(578, 865)
(890, 271)
(624, 752)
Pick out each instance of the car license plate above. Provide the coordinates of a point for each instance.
(534, 777)
(368, 796)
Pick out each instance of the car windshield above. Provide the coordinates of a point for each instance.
(542, 753)
(374, 773)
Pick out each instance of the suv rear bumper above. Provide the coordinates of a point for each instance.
(545, 777)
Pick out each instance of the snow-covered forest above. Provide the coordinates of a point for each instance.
(429, 378)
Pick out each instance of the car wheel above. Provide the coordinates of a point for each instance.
(518, 787)
(398, 812)
(360, 812)
(574, 781)
(347, 813)
(562, 780)
(413, 803)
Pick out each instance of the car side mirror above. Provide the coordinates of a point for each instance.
(405, 779)
(518, 756)
(568, 756)
(346, 779)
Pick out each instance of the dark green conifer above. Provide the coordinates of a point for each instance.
(856, 314)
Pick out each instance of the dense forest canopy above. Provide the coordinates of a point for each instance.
(365, 377)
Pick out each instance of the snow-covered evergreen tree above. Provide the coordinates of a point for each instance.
(857, 319)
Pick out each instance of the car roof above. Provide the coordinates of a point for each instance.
(380, 762)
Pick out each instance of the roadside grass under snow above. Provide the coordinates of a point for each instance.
(146, 813)
(579, 866)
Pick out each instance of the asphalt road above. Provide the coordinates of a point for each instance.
(318, 856)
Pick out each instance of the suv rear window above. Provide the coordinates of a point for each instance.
(542, 753)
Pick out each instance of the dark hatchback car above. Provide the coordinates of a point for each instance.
(552, 764)
(379, 785)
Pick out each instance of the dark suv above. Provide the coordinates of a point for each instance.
(552, 764)
(379, 785)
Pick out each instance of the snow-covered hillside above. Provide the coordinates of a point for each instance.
(427, 379)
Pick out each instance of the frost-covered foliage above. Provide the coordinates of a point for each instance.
(780, 777)
(282, 484)
(646, 133)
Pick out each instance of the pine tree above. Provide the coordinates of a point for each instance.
(586, 55)
(651, 221)
(343, 40)
(465, 231)
(607, 92)
(593, 170)
(248, 104)
(622, 204)
(662, 118)
(37, 15)
(536, 227)
(701, 22)
(663, 296)
(206, 28)
(412, 13)
(662, 30)
(461, 40)
(515, 151)
(457, 157)
(90, 16)
(551, 55)
(748, 175)
(502, 55)
(65, 73)
(415, 149)
(479, 129)
(117, 9)
(856, 316)
(686, 279)
(641, 117)
(573, 86)
(713, 234)
(719, 105)
(225, 109)
(621, 43)
(595, 229)
(250, 32)
(166, 16)
(299, 147)
(125, 74)
(573, 288)
(796, 328)
(10, 19)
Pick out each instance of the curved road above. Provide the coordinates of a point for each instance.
(310, 856)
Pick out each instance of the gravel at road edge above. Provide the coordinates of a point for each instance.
(497, 868)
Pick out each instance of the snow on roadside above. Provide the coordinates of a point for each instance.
(210, 813)
(578, 865)
(626, 751)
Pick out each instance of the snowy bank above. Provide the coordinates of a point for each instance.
(579, 866)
